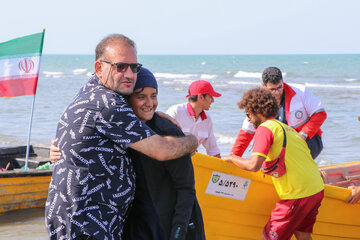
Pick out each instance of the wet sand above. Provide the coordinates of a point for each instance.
(23, 224)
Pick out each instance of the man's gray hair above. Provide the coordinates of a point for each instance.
(109, 40)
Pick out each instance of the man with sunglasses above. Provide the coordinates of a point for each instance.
(298, 108)
(93, 183)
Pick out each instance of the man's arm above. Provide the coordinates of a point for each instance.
(253, 164)
(182, 175)
(209, 143)
(312, 126)
(168, 117)
(316, 111)
(166, 147)
(241, 143)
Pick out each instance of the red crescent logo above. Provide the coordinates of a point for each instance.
(26, 65)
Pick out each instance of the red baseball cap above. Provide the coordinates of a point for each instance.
(202, 87)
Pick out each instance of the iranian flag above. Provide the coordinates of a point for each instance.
(20, 64)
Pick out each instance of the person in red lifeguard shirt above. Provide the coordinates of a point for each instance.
(298, 108)
(280, 152)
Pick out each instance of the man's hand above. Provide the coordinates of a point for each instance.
(227, 158)
(302, 136)
(217, 155)
(168, 117)
(355, 194)
(55, 153)
(253, 164)
(323, 175)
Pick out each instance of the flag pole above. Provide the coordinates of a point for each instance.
(32, 108)
(29, 134)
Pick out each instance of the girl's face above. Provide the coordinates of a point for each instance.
(144, 103)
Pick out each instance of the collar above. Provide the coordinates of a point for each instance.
(192, 113)
(289, 94)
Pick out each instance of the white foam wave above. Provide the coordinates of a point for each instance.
(350, 79)
(224, 139)
(207, 76)
(306, 62)
(178, 81)
(243, 83)
(174, 75)
(79, 71)
(203, 63)
(52, 74)
(332, 86)
(243, 74)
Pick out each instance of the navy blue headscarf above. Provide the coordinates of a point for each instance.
(145, 78)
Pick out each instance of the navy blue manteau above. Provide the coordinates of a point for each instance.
(93, 183)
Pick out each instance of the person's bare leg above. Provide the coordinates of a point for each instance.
(302, 236)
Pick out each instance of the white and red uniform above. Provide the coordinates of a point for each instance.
(202, 128)
(303, 111)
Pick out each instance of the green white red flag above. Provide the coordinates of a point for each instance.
(20, 64)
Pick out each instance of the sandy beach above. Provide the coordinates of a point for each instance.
(23, 224)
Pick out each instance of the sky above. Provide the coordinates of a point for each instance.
(189, 26)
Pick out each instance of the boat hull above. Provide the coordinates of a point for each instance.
(23, 189)
(240, 210)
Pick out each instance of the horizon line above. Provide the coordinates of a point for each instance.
(215, 54)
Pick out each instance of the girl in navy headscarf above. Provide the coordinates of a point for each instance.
(165, 205)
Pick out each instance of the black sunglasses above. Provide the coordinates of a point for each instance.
(122, 67)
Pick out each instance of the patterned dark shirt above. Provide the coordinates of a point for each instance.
(93, 183)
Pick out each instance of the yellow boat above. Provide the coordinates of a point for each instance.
(21, 189)
(236, 204)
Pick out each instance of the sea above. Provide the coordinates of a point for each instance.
(334, 79)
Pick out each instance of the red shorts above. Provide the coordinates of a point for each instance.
(290, 216)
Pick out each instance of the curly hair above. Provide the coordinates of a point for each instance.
(259, 100)
(272, 75)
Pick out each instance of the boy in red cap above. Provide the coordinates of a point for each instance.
(192, 117)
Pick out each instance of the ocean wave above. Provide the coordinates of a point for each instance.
(177, 82)
(351, 79)
(174, 75)
(224, 139)
(208, 76)
(332, 86)
(203, 63)
(243, 74)
(79, 71)
(52, 74)
(243, 83)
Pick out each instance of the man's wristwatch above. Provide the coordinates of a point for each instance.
(304, 134)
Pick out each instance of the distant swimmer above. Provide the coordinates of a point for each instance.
(298, 108)
(281, 153)
(192, 116)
